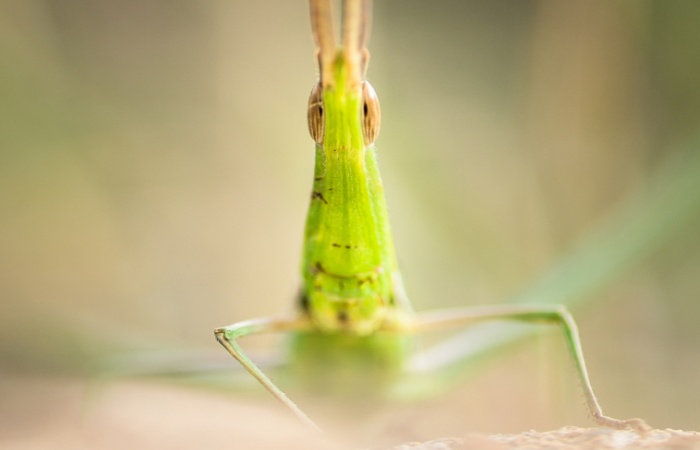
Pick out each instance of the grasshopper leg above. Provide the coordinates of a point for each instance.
(228, 336)
(547, 314)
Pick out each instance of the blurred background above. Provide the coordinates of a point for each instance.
(155, 169)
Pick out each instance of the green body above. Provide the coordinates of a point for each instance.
(349, 273)
(351, 289)
(358, 369)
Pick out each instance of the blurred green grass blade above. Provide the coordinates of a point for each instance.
(664, 211)
(667, 209)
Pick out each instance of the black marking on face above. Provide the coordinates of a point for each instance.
(303, 302)
(343, 317)
(319, 196)
(336, 245)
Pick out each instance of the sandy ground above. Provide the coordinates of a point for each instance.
(567, 438)
(68, 414)
(40, 413)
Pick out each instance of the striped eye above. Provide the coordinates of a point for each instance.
(371, 115)
(314, 114)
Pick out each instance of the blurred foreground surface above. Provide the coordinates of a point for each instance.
(66, 414)
(60, 413)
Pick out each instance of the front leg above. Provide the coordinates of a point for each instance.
(227, 336)
(549, 314)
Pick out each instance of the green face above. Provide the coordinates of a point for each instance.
(348, 258)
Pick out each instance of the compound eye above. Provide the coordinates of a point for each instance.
(371, 114)
(314, 114)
